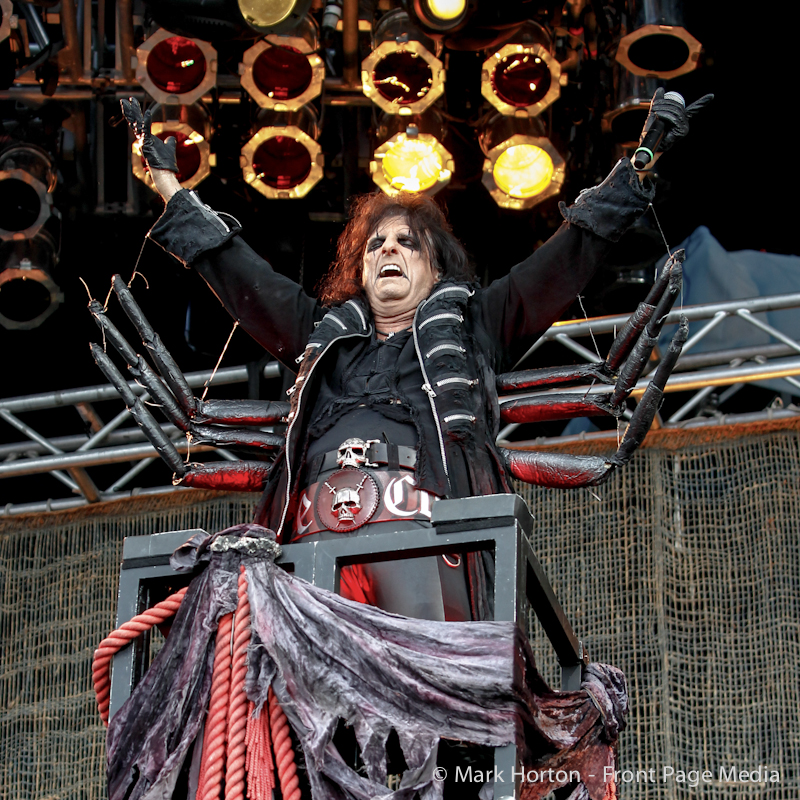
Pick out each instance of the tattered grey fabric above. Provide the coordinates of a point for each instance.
(328, 659)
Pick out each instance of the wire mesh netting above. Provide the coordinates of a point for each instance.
(684, 571)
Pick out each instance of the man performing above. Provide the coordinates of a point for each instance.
(397, 357)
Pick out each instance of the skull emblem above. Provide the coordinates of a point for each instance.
(352, 453)
(346, 504)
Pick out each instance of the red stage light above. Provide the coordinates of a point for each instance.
(282, 73)
(187, 152)
(282, 162)
(176, 65)
(402, 77)
(521, 80)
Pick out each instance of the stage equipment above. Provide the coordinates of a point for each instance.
(219, 20)
(522, 167)
(412, 157)
(192, 129)
(659, 46)
(28, 293)
(626, 119)
(402, 75)
(522, 78)
(6, 10)
(284, 72)
(282, 160)
(27, 178)
(441, 15)
(175, 70)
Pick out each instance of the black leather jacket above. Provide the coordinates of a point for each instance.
(462, 334)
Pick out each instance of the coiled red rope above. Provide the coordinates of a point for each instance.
(115, 641)
(235, 741)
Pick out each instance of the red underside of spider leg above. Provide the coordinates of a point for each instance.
(551, 376)
(239, 476)
(636, 362)
(166, 364)
(557, 470)
(648, 406)
(556, 406)
(241, 412)
(166, 449)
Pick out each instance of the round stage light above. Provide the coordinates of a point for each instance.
(412, 162)
(284, 72)
(659, 51)
(282, 160)
(27, 179)
(191, 128)
(401, 75)
(271, 16)
(521, 79)
(440, 15)
(175, 70)
(522, 168)
(28, 293)
(447, 9)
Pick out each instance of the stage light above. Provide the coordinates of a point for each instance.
(28, 293)
(659, 46)
(6, 11)
(632, 104)
(441, 15)
(522, 78)
(271, 16)
(282, 160)
(27, 178)
(284, 72)
(401, 75)
(191, 128)
(175, 70)
(412, 157)
(522, 168)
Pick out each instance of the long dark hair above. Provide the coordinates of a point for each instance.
(427, 223)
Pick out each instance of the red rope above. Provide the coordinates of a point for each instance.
(284, 754)
(260, 770)
(237, 709)
(215, 733)
(116, 640)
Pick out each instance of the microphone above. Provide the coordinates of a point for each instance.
(652, 135)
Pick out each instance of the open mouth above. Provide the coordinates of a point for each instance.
(390, 271)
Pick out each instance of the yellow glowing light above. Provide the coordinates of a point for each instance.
(447, 9)
(412, 166)
(523, 170)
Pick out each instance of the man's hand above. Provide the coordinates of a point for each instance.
(674, 117)
(160, 155)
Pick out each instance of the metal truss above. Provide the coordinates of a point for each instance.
(69, 458)
(701, 374)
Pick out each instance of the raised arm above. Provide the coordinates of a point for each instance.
(272, 308)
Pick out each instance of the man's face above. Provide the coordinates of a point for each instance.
(397, 273)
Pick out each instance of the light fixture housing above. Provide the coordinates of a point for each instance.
(659, 46)
(441, 16)
(6, 10)
(282, 160)
(522, 78)
(27, 179)
(28, 293)
(624, 122)
(522, 167)
(412, 158)
(402, 75)
(192, 129)
(175, 70)
(284, 72)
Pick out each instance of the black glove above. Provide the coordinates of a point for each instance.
(674, 116)
(158, 154)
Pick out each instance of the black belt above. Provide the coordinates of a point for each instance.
(392, 456)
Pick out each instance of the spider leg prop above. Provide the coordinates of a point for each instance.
(564, 471)
(626, 361)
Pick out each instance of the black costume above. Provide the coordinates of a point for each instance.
(462, 335)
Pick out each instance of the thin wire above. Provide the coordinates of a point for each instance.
(660, 230)
(219, 360)
(136, 266)
(591, 333)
